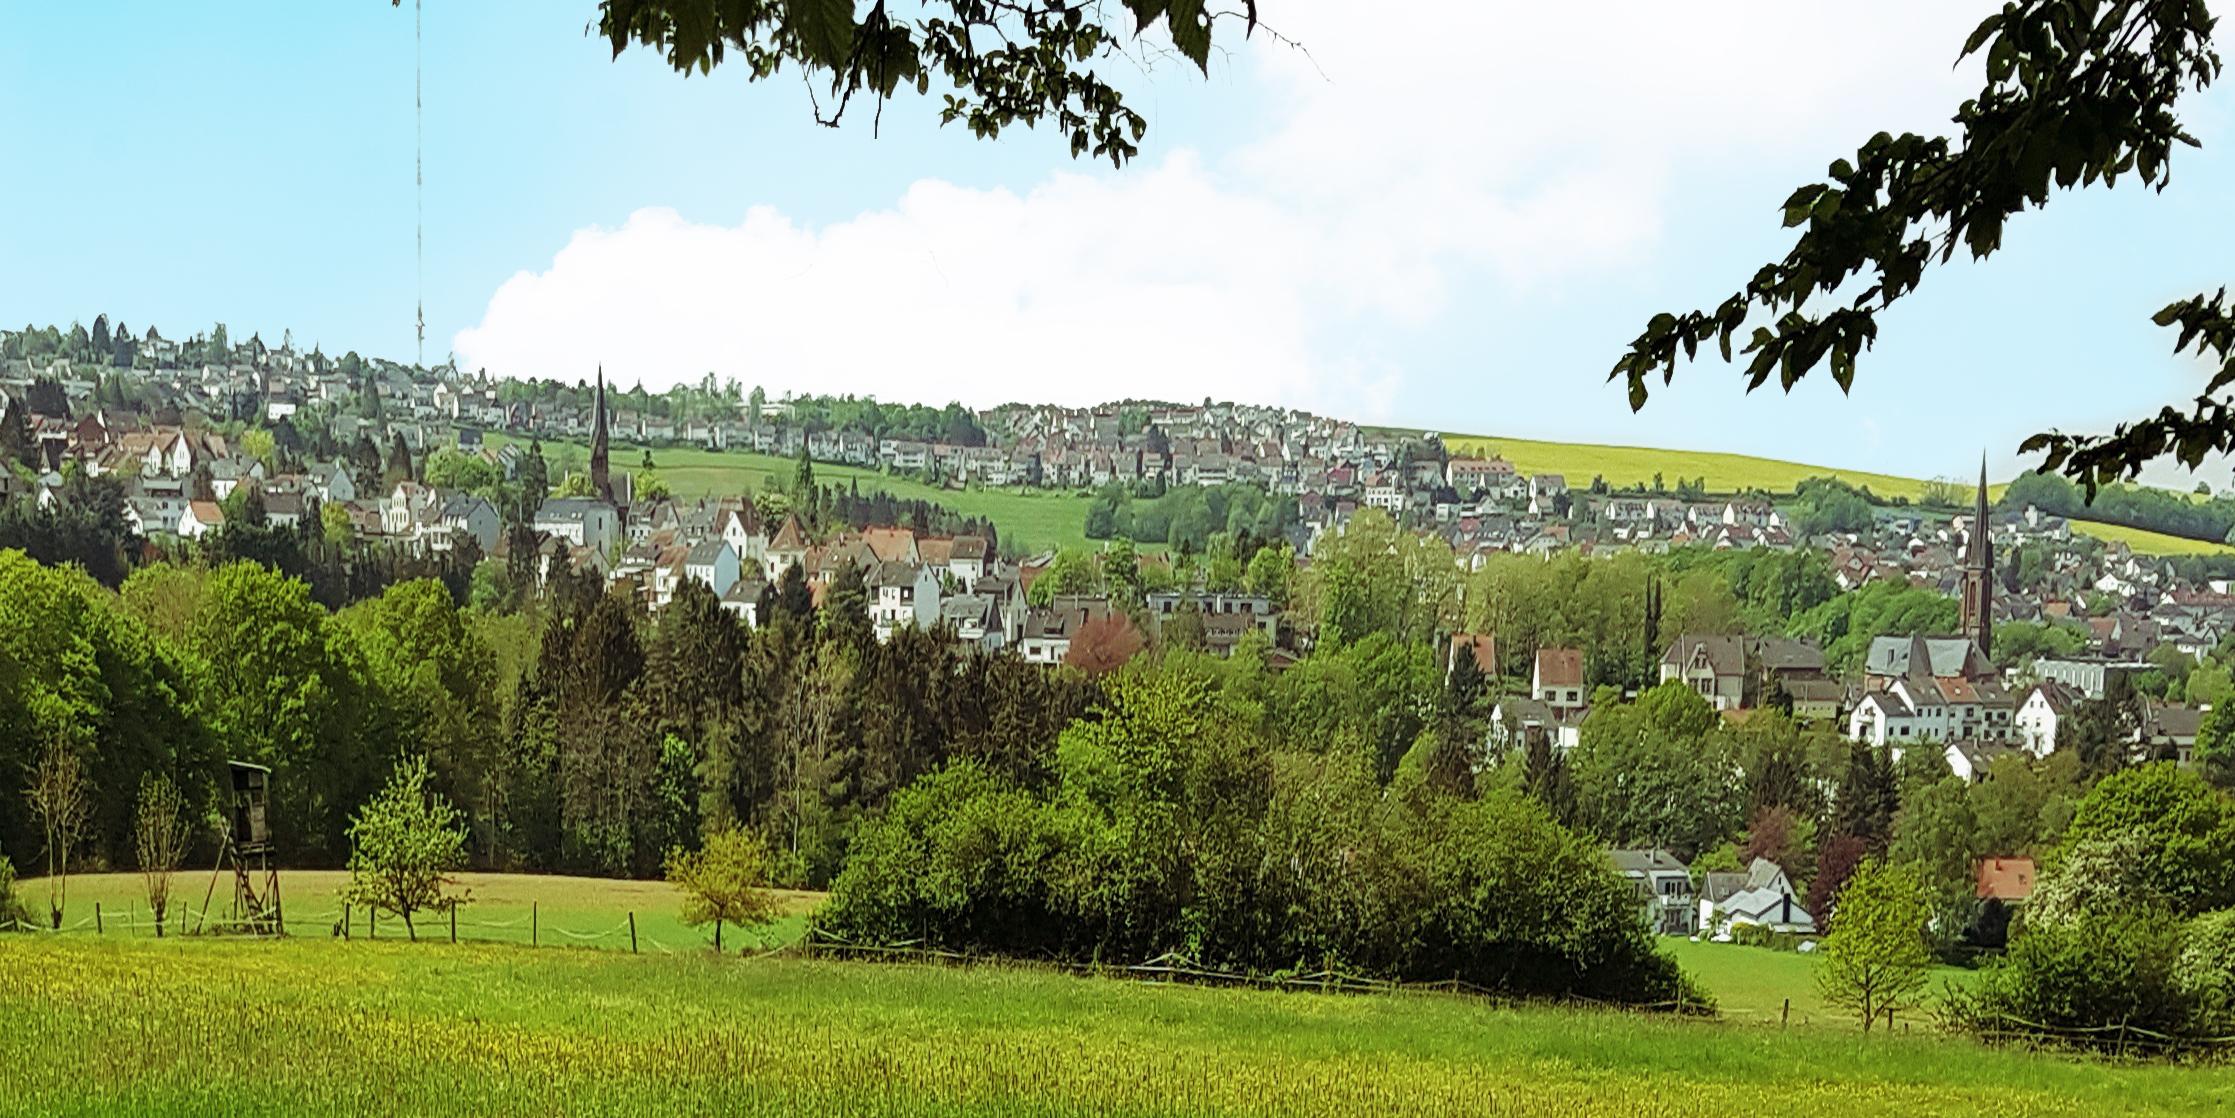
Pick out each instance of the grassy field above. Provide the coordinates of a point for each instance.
(2146, 542)
(1030, 520)
(1752, 984)
(505, 908)
(322, 1027)
(1748, 983)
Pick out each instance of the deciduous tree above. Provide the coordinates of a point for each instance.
(61, 796)
(2078, 92)
(1874, 961)
(159, 827)
(403, 844)
(725, 881)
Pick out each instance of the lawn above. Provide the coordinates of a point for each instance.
(504, 908)
(1029, 520)
(318, 1026)
(1752, 984)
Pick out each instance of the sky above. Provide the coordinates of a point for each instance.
(1454, 216)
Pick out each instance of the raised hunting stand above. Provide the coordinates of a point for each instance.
(248, 846)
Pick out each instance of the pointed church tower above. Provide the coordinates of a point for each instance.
(601, 480)
(1978, 573)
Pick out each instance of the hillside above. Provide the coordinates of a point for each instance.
(1028, 520)
(318, 1026)
(1636, 465)
(1036, 520)
(2145, 542)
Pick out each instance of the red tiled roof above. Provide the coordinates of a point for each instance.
(1559, 667)
(2005, 879)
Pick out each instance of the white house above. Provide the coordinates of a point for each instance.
(715, 563)
(1557, 680)
(1046, 634)
(581, 521)
(2038, 715)
(903, 595)
(200, 517)
(975, 618)
(1940, 709)
(1761, 896)
(966, 561)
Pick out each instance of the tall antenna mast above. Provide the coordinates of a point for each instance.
(419, 178)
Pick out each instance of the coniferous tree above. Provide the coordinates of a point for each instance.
(398, 469)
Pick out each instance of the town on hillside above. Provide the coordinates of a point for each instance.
(399, 459)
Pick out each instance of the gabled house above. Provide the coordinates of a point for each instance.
(1714, 667)
(1762, 896)
(2039, 714)
(1557, 680)
(975, 619)
(903, 595)
(199, 518)
(967, 559)
(584, 522)
(713, 562)
(468, 515)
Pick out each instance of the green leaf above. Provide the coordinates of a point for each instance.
(824, 30)
(1191, 32)
(1146, 12)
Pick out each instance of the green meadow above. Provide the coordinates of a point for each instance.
(318, 1026)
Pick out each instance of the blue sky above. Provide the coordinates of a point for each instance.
(1458, 231)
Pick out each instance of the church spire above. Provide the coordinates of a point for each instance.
(1978, 572)
(601, 480)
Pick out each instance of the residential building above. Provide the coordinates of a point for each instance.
(1762, 896)
(1557, 680)
(1664, 885)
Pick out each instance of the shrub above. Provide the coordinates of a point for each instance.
(12, 912)
(2186, 828)
(2062, 977)
(1761, 935)
(2205, 972)
(1168, 831)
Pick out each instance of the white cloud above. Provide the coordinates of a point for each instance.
(1472, 148)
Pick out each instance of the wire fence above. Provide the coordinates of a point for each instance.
(2120, 1039)
(350, 922)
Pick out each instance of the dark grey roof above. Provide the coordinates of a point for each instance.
(567, 510)
(1655, 860)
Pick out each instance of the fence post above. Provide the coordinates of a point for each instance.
(1785, 1015)
(453, 923)
(535, 924)
(99, 928)
(372, 922)
(632, 933)
(345, 918)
